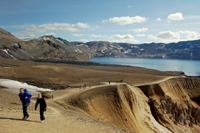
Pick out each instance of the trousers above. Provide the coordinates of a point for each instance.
(24, 106)
(42, 115)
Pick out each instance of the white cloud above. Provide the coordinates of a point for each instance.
(169, 36)
(190, 35)
(166, 36)
(158, 19)
(193, 17)
(18, 27)
(68, 29)
(123, 38)
(95, 27)
(84, 40)
(140, 35)
(104, 21)
(168, 21)
(140, 30)
(175, 16)
(127, 20)
(82, 25)
(27, 34)
(129, 6)
(95, 36)
(31, 30)
(51, 33)
(77, 35)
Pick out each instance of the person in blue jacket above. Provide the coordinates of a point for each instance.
(25, 98)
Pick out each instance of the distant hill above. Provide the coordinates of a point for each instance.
(49, 47)
(180, 50)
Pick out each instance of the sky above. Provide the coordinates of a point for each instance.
(128, 21)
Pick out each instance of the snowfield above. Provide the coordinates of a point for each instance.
(14, 86)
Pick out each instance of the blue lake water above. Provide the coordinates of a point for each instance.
(189, 67)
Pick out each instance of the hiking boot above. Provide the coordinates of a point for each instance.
(25, 118)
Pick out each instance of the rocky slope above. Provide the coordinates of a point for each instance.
(6, 37)
(46, 47)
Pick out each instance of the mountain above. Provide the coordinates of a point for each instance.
(7, 37)
(50, 47)
(180, 50)
(46, 47)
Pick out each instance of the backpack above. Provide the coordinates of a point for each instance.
(25, 90)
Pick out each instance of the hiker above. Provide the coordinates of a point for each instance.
(84, 86)
(25, 98)
(43, 106)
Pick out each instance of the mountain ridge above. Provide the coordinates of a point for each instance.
(50, 47)
(180, 50)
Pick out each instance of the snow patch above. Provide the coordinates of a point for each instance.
(60, 41)
(125, 51)
(128, 51)
(80, 45)
(104, 48)
(6, 51)
(16, 44)
(14, 86)
(78, 50)
(116, 46)
(142, 49)
(46, 38)
(160, 48)
(28, 39)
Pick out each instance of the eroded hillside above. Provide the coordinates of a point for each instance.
(175, 103)
(171, 105)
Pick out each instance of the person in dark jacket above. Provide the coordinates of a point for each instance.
(43, 106)
(25, 98)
